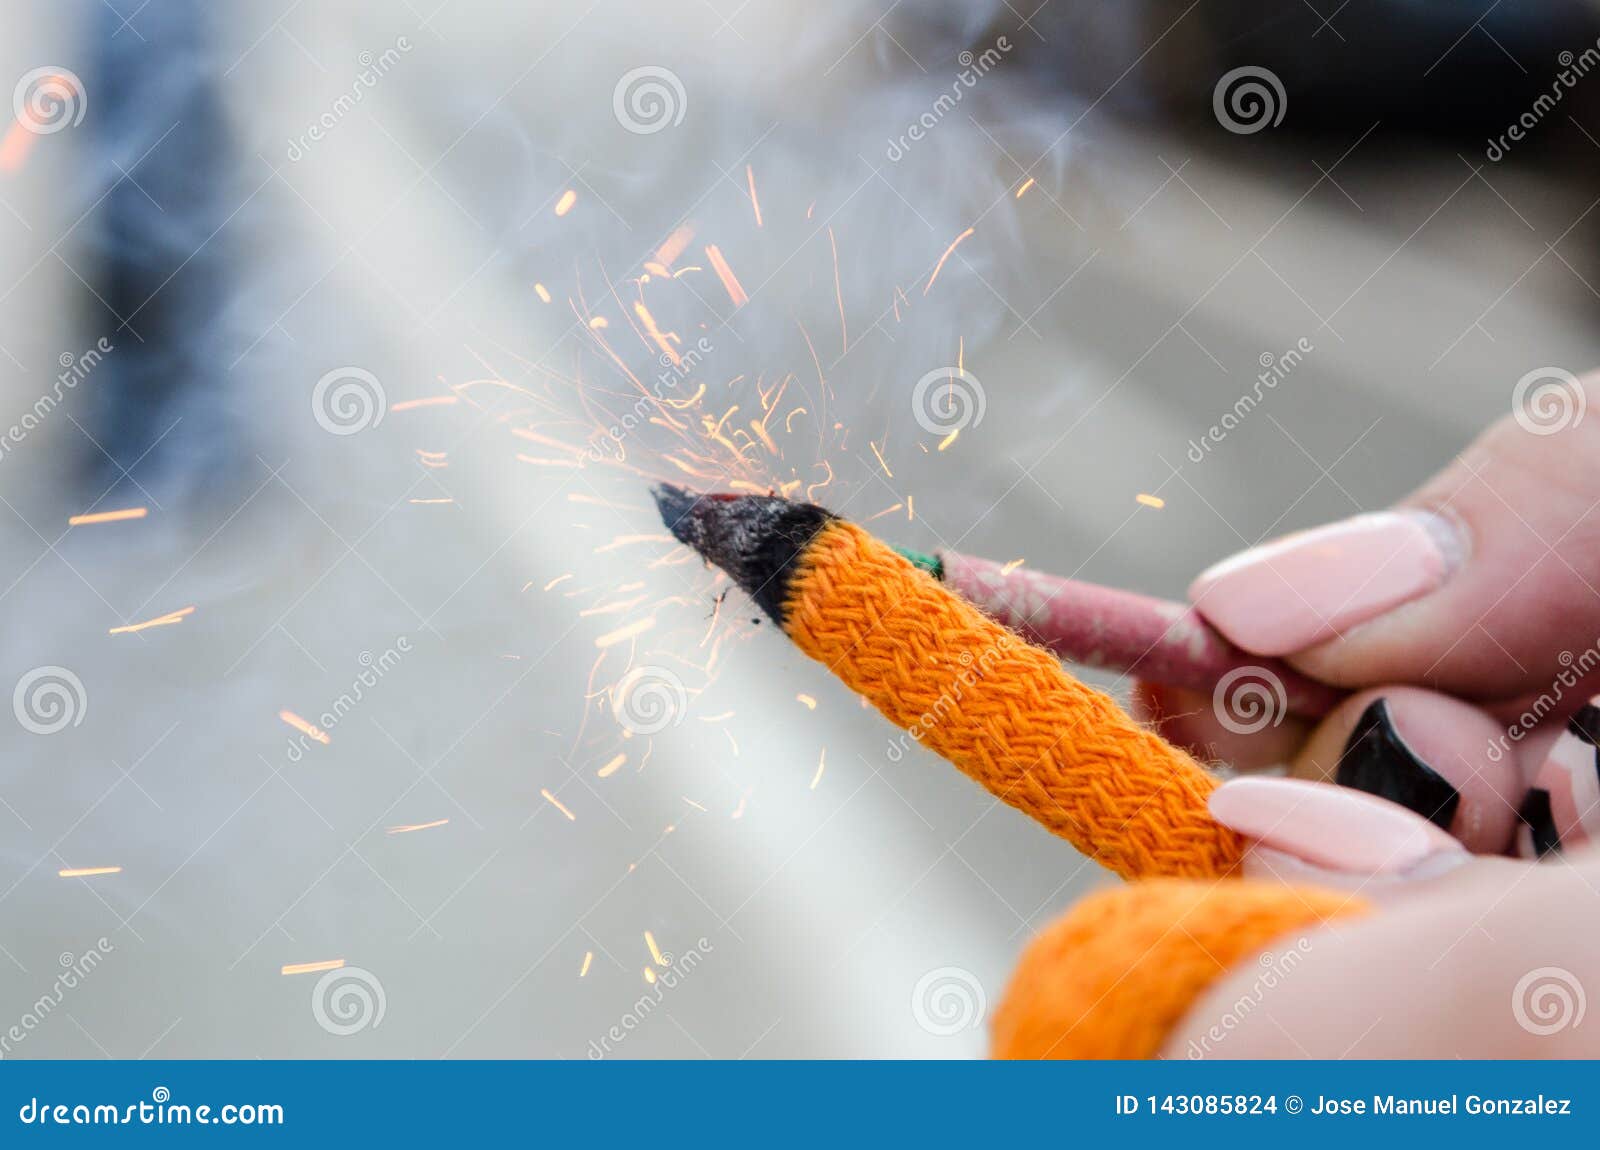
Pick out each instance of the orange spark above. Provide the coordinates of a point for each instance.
(426, 401)
(16, 145)
(1012, 566)
(626, 540)
(638, 627)
(1023, 190)
(822, 765)
(612, 767)
(430, 501)
(730, 282)
(1150, 500)
(911, 510)
(938, 267)
(885, 511)
(557, 803)
(881, 463)
(655, 951)
(564, 204)
(312, 967)
(87, 871)
(599, 323)
(672, 247)
(811, 704)
(108, 516)
(838, 294)
(407, 828)
(949, 439)
(542, 292)
(649, 976)
(159, 621)
(558, 579)
(588, 958)
(755, 201)
(304, 727)
(662, 340)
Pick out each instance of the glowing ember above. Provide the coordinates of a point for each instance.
(542, 292)
(588, 960)
(108, 516)
(304, 727)
(730, 282)
(558, 804)
(159, 621)
(1026, 184)
(949, 439)
(426, 401)
(655, 951)
(881, 462)
(822, 765)
(638, 627)
(1012, 566)
(1150, 500)
(312, 967)
(409, 827)
(88, 871)
(662, 339)
(558, 579)
(673, 246)
(810, 703)
(430, 501)
(649, 976)
(755, 200)
(939, 267)
(612, 767)
(564, 204)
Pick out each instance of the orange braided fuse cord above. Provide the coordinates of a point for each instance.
(1115, 974)
(1000, 709)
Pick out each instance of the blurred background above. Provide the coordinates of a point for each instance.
(365, 710)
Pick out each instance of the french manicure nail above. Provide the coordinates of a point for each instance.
(1332, 826)
(1562, 809)
(1378, 761)
(1307, 587)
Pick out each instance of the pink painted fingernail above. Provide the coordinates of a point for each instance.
(1307, 587)
(1331, 826)
(1562, 809)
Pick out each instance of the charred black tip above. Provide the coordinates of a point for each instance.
(756, 539)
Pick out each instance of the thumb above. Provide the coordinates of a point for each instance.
(1484, 583)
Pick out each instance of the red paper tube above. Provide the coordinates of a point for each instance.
(1154, 639)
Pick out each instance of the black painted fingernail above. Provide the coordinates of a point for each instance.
(1543, 838)
(1377, 760)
